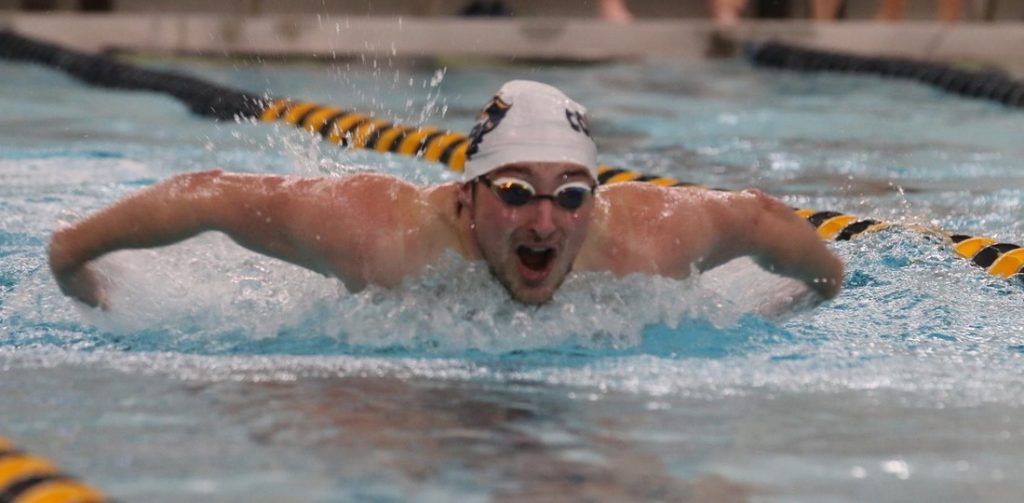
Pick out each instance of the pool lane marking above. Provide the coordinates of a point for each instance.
(273, 111)
(454, 155)
(59, 490)
(662, 181)
(860, 227)
(21, 466)
(970, 247)
(297, 111)
(988, 255)
(363, 133)
(830, 228)
(338, 132)
(1008, 264)
(410, 145)
(315, 122)
(386, 137)
(374, 137)
(25, 478)
(434, 149)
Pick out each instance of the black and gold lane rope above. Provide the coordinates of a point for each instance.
(349, 128)
(25, 478)
(356, 130)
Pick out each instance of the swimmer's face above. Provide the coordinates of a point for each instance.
(531, 247)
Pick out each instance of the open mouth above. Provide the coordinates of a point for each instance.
(535, 260)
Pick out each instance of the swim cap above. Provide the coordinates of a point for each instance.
(529, 122)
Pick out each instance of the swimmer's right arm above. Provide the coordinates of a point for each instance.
(165, 213)
(319, 224)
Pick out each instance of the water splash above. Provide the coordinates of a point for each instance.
(253, 304)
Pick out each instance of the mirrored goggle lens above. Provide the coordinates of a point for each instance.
(513, 193)
(572, 198)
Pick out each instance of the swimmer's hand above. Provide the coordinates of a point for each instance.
(76, 280)
(84, 285)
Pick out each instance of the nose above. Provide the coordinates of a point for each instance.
(543, 223)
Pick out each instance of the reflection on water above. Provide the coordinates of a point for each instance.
(514, 439)
(383, 436)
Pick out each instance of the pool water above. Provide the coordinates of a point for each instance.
(221, 375)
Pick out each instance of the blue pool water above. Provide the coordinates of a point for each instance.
(220, 375)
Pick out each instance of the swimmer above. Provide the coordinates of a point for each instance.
(529, 206)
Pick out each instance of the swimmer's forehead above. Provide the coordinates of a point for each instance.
(537, 171)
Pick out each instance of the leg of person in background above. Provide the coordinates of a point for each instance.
(38, 5)
(722, 42)
(892, 10)
(949, 10)
(825, 10)
(615, 11)
(726, 12)
(493, 9)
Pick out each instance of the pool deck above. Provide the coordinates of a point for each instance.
(528, 38)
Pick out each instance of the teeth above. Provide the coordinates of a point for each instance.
(537, 250)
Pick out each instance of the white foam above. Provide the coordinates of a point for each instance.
(208, 287)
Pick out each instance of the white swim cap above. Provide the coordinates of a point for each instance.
(529, 122)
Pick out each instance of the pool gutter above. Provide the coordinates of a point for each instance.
(569, 39)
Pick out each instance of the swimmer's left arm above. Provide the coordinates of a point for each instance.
(751, 223)
(670, 231)
(721, 226)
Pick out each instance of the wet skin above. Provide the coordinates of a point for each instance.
(530, 249)
(375, 229)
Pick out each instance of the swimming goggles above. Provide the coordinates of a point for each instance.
(516, 192)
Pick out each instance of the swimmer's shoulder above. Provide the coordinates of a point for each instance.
(370, 200)
(617, 227)
(641, 227)
(376, 192)
(632, 200)
(386, 226)
(637, 199)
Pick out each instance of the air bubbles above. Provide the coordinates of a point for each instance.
(897, 467)
(438, 77)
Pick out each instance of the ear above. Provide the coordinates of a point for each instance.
(466, 192)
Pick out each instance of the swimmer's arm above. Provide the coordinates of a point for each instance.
(246, 207)
(752, 223)
(363, 229)
(337, 227)
(168, 212)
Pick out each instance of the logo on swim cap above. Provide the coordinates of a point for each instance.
(529, 122)
(486, 121)
(577, 121)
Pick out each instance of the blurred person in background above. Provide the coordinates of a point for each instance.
(614, 11)
(728, 12)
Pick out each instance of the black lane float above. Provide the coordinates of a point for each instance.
(984, 84)
(349, 128)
